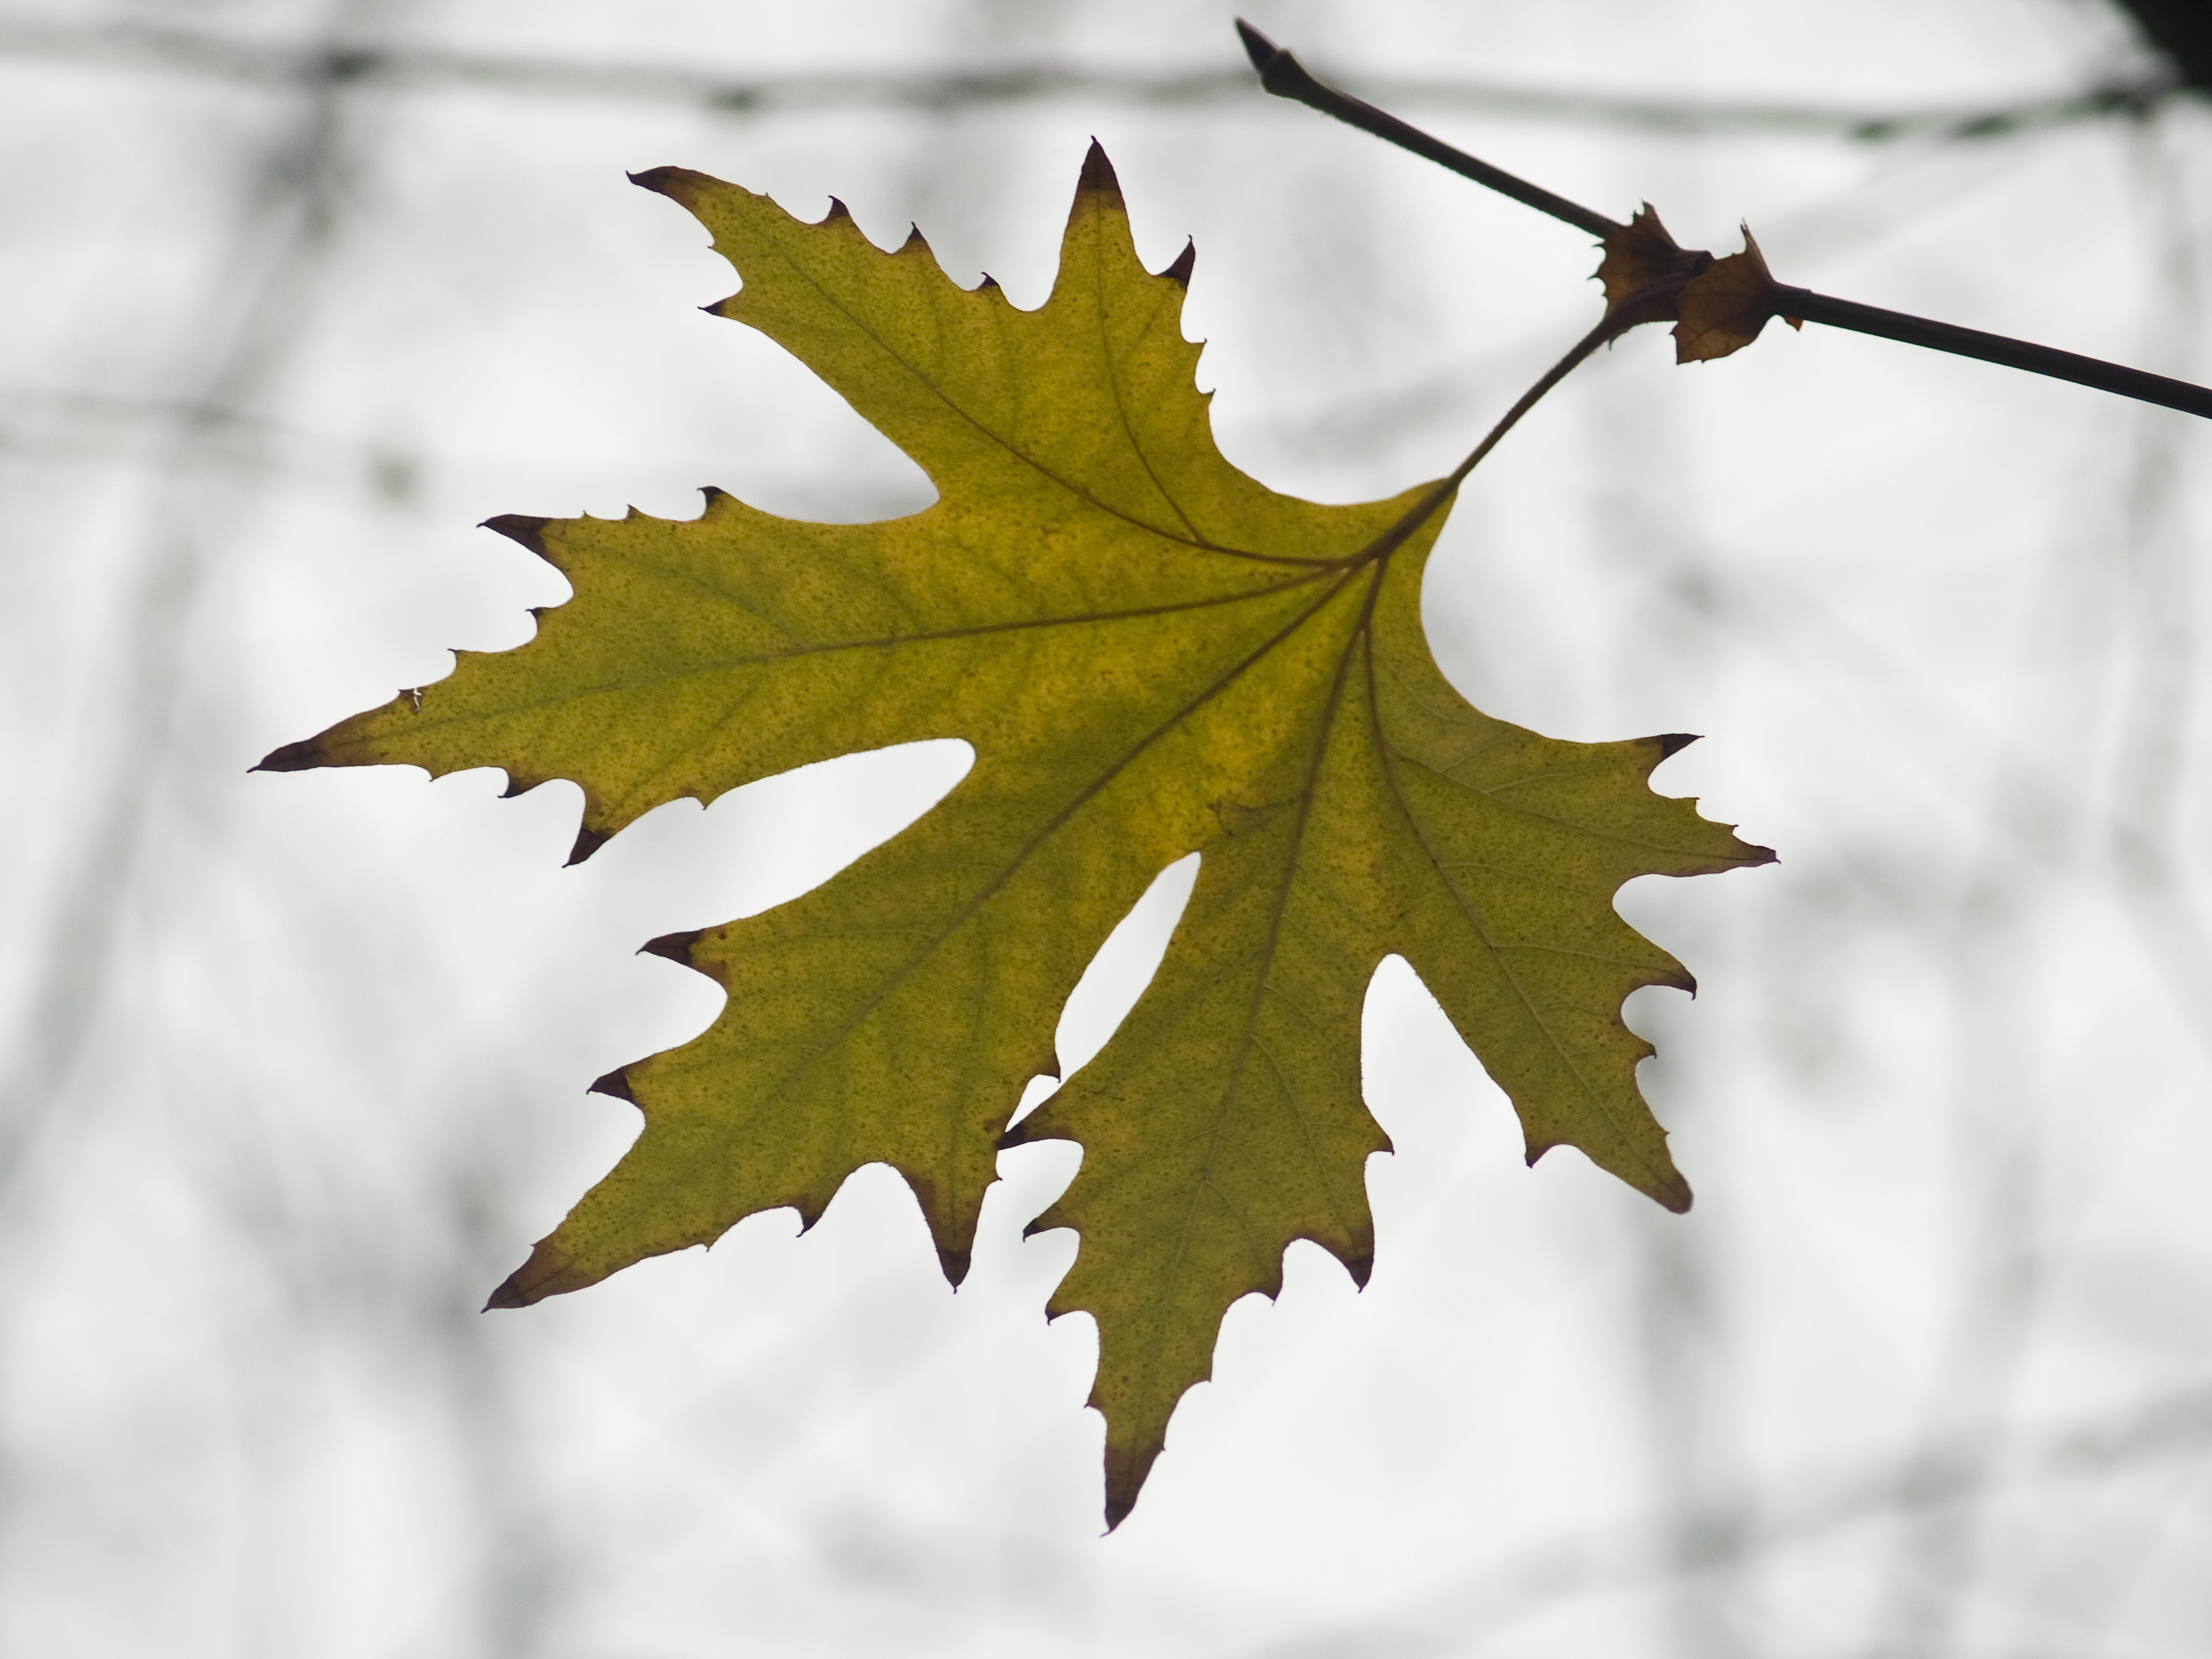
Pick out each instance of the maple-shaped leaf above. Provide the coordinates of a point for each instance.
(1151, 654)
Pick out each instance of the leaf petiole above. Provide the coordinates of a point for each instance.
(1617, 321)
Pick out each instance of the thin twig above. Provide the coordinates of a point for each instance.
(1284, 75)
(1996, 349)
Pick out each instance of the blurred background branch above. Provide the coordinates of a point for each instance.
(169, 50)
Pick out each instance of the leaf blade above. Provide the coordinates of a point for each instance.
(1152, 655)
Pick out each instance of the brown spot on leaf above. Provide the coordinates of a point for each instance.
(1236, 818)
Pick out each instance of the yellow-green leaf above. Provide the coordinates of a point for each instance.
(1152, 655)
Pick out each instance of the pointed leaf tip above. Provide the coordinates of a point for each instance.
(292, 757)
(1185, 263)
(955, 1263)
(550, 1272)
(521, 527)
(1098, 172)
(615, 1082)
(1674, 743)
(588, 841)
(676, 947)
(1127, 1468)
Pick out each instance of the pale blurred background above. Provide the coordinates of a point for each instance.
(298, 293)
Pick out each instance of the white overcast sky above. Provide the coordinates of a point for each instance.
(292, 1069)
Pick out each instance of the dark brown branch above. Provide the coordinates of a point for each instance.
(1284, 75)
(1996, 348)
